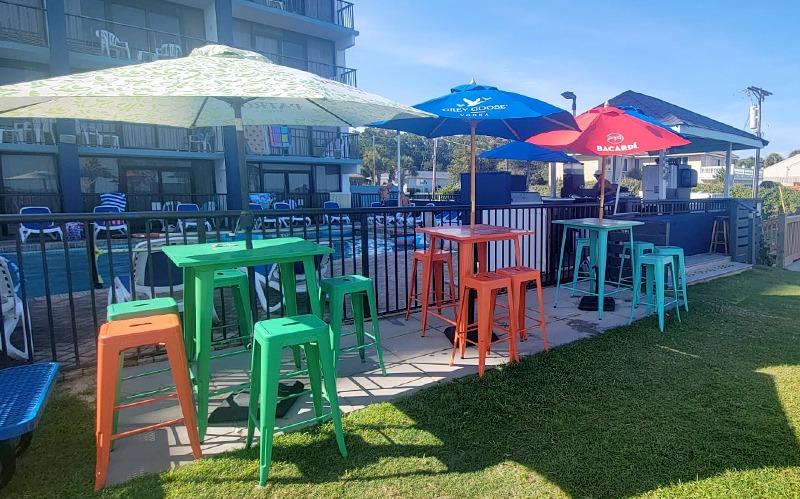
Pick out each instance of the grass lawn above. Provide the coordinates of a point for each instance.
(711, 408)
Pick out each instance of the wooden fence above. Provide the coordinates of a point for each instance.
(788, 239)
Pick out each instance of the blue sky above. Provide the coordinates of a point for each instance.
(698, 54)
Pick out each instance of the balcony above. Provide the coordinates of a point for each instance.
(125, 42)
(307, 142)
(113, 135)
(22, 24)
(330, 71)
(27, 131)
(316, 9)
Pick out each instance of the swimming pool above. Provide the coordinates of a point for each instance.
(54, 261)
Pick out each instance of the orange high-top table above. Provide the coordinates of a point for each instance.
(468, 237)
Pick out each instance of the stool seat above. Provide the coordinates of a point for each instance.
(359, 288)
(269, 339)
(141, 308)
(134, 331)
(439, 254)
(229, 277)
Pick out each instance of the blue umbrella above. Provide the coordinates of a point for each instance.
(524, 151)
(483, 110)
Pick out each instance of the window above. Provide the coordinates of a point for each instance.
(99, 175)
(299, 183)
(29, 173)
(274, 182)
(327, 178)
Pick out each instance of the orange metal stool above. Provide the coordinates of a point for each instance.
(441, 259)
(487, 285)
(520, 278)
(114, 338)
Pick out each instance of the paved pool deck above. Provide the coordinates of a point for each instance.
(413, 362)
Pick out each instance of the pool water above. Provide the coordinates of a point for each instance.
(33, 264)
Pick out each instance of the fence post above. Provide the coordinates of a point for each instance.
(780, 241)
(364, 224)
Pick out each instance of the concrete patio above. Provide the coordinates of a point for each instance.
(412, 362)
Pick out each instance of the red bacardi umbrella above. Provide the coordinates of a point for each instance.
(609, 131)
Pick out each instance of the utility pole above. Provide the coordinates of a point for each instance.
(760, 94)
(399, 169)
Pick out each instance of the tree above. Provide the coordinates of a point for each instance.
(748, 162)
(794, 153)
(772, 159)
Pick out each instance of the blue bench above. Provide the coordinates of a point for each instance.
(23, 393)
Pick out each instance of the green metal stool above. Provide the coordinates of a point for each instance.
(679, 265)
(581, 244)
(134, 310)
(237, 281)
(358, 287)
(640, 248)
(269, 339)
(655, 268)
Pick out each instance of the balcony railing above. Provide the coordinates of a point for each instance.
(316, 9)
(161, 201)
(309, 142)
(117, 135)
(127, 42)
(24, 24)
(339, 73)
(27, 131)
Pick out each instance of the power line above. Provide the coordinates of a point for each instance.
(760, 94)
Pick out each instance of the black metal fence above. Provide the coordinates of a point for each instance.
(57, 283)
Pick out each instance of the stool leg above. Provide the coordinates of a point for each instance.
(576, 273)
(682, 270)
(725, 235)
(204, 286)
(438, 282)
(484, 329)
(542, 320)
(241, 300)
(520, 300)
(180, 376)
(513, 324)
(676, 292)
(713, 237)
(659, 272)
(255, 387)
(560, 265)
(268, 403)
(452, 278)
(118, 393)
(107, 362)
(637, 288)
(337, 312)
(649, 270)
(357, 302)
(329, 378)
(462, 316)
(412, 289)
(314, 381)
(622, 265)
(376, 332)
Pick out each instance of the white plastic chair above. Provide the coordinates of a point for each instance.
(109, 41)
(169, 50)
(28, 228)
(13, 311)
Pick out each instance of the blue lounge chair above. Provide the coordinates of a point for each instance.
(287, 221)
(23, 394)
(28, 228)
(109, 225)
(184, 224)
(335, 219)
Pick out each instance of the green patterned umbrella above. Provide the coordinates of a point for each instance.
(215, 85)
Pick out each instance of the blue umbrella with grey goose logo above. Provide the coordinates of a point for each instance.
(474, 109)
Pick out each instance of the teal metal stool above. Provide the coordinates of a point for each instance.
(679, 265)
(358, 287)
(240, 288)
(655, 269)
(640, 248)
(269, 339)
(581, 244)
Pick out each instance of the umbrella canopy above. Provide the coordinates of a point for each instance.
(215, 85)
(483, 110)
(609, 131)
(197, 91)
(523, 151)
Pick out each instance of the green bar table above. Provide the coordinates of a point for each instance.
(200, 261)
(598, 252)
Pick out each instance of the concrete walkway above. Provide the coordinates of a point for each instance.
(412, 362)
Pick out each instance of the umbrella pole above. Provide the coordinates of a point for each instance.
(246, 217)
(602, 182)
(472, 168)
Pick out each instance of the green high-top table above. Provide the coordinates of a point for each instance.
(598, 252)
(200, 261)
